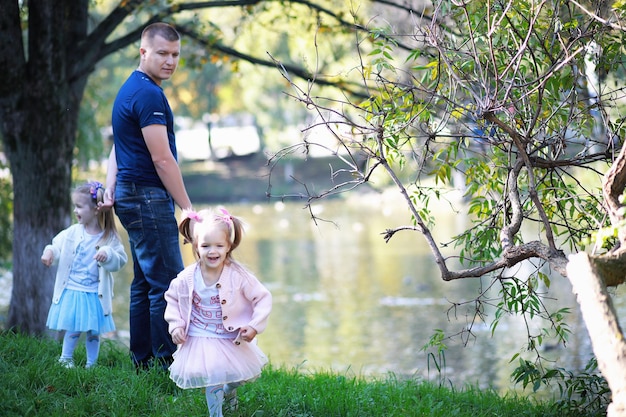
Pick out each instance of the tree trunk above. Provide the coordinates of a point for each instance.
(603, 326)
(41, 209)
(39, 107)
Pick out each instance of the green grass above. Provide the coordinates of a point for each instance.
(34, 384)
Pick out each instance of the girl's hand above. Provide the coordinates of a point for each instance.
(247, 333)
(178, 336)
(47, 258)
(100, 256)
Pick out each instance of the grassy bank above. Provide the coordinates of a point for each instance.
(34, 384)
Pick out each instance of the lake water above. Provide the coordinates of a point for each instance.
(346, 301)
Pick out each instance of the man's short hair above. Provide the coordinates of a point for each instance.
(164, 30)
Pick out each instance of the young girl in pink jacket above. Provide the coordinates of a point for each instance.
(215, 308)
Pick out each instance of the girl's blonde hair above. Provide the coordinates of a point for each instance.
(193, 223)
(95, 191)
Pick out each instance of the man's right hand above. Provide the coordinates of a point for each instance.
(108, 199)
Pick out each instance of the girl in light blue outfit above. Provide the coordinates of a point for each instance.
(86, 253)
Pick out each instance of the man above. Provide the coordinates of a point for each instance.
(143, 183)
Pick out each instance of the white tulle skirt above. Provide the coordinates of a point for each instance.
(207, 361)
(79, 311)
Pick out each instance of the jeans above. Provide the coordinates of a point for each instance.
(147, 214)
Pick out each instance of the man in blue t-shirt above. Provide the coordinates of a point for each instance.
(143, 183)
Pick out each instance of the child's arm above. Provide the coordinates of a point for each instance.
(261, 300)
(52, 252)
(246, 333)
(178, 336)
(47, 257)
(173, 315)
(112, 257)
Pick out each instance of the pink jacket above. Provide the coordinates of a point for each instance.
(245, 301)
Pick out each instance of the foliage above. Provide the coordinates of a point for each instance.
(437, 358)
(212, 79)
(35, 384)
(89, 141)
(582, 393)
(509, 112)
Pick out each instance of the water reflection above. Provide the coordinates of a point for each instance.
(345, 300)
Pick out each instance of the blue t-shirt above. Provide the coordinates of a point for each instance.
(139, 103)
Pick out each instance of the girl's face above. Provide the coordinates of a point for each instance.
(213, 246)
(84, 209)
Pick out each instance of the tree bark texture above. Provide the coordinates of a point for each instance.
(603, 326)
(613, 186)
(39, 108)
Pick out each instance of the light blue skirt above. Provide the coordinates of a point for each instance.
(79, 311)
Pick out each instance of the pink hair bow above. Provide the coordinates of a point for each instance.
(192, 215)
(226, 216)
